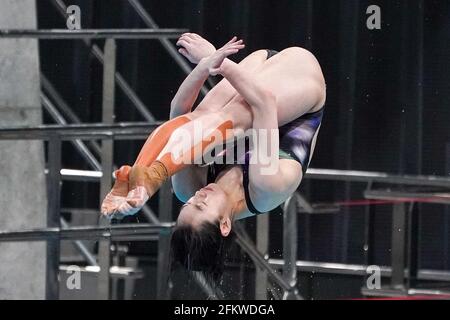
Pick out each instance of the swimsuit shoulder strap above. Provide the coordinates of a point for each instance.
(246, 181)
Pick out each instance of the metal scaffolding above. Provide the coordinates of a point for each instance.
(55, 135)
(403, 272)
(78, 132)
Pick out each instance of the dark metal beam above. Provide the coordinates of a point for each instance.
(140, 232)
(398, 246)
(163, 267)
(107, 153)
(97, 131)
(290, 245)
(262, 246)
(363, 176)
(65, 34)
(357, 269)
(405, 196)
(53, 209)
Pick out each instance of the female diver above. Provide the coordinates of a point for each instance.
(279, 95)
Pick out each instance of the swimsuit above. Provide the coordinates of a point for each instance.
(295, 144)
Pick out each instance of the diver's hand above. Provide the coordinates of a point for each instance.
(194, 47)
(214, 61)
(118, 193)
(110, 204)
(115, 207)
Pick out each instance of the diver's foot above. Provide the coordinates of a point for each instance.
(120, 187)
(143, 183)
(140, 181)
(118, 193)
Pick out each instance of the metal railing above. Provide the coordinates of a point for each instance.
(132, 232)
(107, 132)
(371, 177)
(79, 145)
(56, 135)
(107, 59)
(65, 34)
(404, 271)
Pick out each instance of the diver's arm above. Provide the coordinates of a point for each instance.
(188, 92)
(203, 53)
(270, 178)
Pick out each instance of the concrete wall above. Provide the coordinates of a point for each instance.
(23, 199)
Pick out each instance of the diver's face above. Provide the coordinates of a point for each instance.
(209, 204)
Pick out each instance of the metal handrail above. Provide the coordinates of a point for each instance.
(290, 210)
(65, 34)
(116, 232)
(406, 196)
(125, 130)
(356, 269)
(365, 176)
(55, 138)
(100, 131)
(141, 129)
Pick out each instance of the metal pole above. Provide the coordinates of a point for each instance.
(262, 245)
(104, 252)
(290, 246)
(369, 233)
(165, 215)
(260, 261)
(415, 210)
(64, 34)
(398, 246)
(54, 203)
(413, 245)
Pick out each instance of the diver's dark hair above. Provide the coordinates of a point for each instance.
(201, 249)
